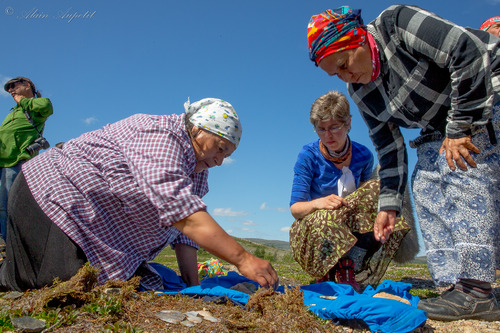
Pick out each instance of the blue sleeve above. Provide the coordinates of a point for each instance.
(302, 178)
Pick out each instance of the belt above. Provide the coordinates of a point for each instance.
(434, 136)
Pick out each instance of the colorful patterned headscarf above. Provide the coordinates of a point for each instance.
(216, 116)
(489, 22)
(334, 31)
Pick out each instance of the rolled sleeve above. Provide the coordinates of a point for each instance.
(41, 107)
(183, 239)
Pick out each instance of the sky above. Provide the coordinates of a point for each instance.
(100, 61)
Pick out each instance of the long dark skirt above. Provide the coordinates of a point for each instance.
(38, 251)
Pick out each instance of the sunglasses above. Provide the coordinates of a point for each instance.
(14, 84)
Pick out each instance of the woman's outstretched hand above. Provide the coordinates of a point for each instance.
(259, 270)
(384, 225)
(457, 150)
(203, 229)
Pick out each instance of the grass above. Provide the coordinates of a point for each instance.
(80, 300)
(289, 270)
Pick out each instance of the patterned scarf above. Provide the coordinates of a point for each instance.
(334, 31)
(338, 158)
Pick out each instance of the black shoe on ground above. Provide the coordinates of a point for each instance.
(456, 305)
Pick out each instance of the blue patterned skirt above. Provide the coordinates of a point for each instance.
(459, 211)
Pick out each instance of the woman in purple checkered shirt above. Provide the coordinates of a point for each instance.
(117, 196)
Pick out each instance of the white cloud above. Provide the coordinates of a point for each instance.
(228, 212)
(248, 222)
(4, 79)
(285, 229)
(90, 120)
(264, 206)
(247, 230)
(228, 160)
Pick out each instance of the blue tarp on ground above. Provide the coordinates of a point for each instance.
(381, 315)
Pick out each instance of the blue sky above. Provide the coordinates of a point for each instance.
(101, 61)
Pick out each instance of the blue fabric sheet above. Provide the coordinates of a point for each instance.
(381, 315)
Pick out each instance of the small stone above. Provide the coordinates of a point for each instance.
(12, 295)
(112, 291)
(212, 319)
(208, 316)
(204, 313)
(187, 323)
(193, 317)
(28, 324)
(171, 316)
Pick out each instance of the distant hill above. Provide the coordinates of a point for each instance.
(420, 260)
(282, 245)
(251, 243)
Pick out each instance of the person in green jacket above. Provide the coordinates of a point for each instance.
(18, 132)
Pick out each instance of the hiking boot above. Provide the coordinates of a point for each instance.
(344, 273)
(456, 305)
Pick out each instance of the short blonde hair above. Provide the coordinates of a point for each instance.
(332, 105)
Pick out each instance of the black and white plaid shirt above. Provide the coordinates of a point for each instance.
(435, 75)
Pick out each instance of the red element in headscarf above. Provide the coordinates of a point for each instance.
(489, 22)
(375, 56)
(334, 31)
